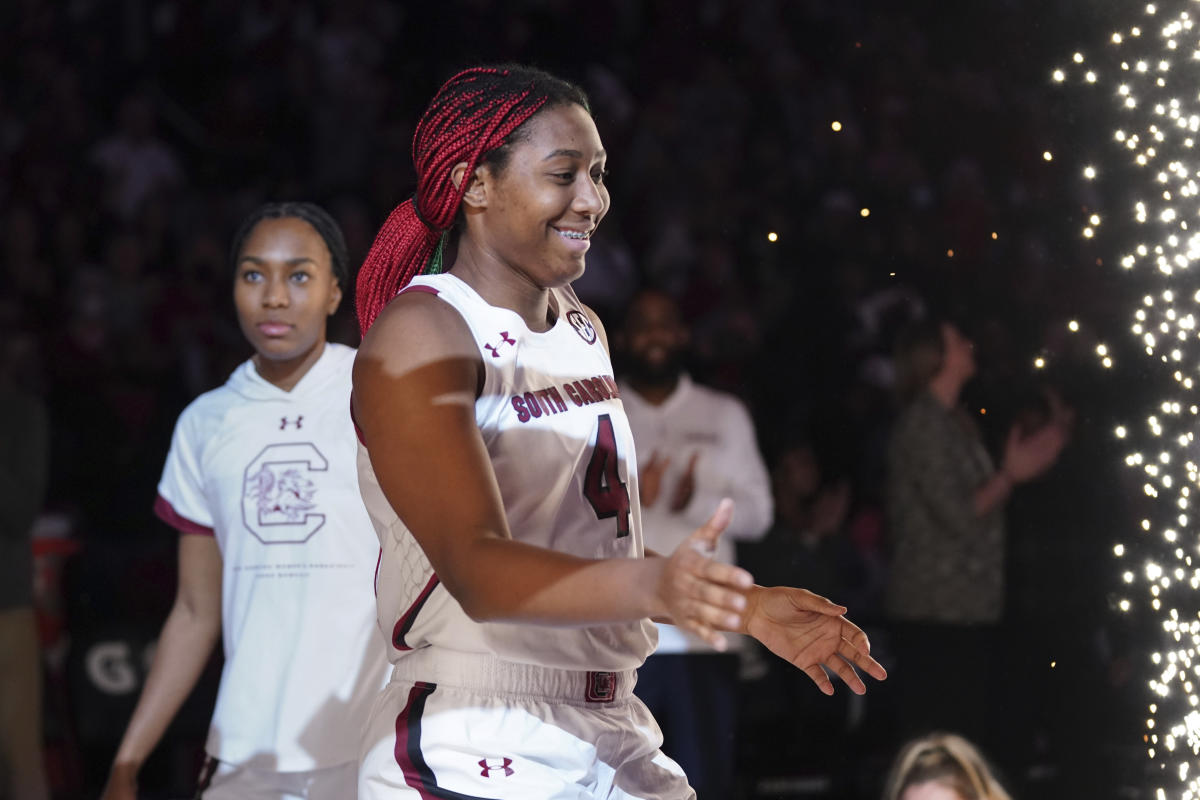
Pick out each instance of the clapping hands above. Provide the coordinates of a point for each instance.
(1029, 454)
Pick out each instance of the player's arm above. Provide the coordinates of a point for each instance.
(416, 379)
(183, 649)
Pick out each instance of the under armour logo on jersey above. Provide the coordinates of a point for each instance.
(504, 339)
(284, 422)
(582, 325)
(491, 765)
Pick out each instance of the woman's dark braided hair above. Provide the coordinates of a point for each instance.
(474, 118)
(324, 224)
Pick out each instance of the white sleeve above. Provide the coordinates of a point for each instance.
(181, 501)
(740, 475)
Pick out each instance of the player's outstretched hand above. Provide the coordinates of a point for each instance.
(701, 595)
(809, 631)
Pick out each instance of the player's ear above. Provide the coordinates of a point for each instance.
(335, 300)
(478, 183)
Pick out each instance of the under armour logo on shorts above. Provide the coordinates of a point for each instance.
(490, 765)
(601, 687)
(284, 422)
(495, 348)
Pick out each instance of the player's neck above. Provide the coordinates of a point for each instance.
(504, 287)
(286, 373)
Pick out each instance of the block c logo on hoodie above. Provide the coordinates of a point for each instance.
(279, 498)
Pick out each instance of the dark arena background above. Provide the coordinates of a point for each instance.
(804, 176)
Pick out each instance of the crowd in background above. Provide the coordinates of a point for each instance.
(804, 178)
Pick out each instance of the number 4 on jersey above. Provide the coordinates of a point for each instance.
(602, 484)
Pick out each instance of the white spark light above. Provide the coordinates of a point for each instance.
(1159, 109)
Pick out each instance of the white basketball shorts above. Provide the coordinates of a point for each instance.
(461, 726)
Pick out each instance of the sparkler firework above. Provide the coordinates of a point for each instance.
(1153, 69)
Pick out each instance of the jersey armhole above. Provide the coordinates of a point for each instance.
(419, 288)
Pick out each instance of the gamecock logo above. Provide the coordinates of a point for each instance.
(279, 497)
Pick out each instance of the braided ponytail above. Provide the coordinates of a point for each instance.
(472, 119)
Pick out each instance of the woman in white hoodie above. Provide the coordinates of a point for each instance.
(277, 554)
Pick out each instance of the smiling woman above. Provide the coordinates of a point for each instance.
(513, 580)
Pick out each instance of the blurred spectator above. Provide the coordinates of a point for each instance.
(696, 446)
(828, 538)
(824, 538)
(24, 454)
(136, 163)
(942, 766)
(945, 506)
(28, 278)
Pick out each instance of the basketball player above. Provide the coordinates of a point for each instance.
(277, 553)
(498, 468)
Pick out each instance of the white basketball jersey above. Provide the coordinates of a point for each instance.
(559, 442)
(271, 474)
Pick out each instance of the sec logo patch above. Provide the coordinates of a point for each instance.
(582, 325)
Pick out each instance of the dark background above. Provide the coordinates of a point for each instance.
(135, 135)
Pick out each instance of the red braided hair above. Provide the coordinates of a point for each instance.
(473, 114)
